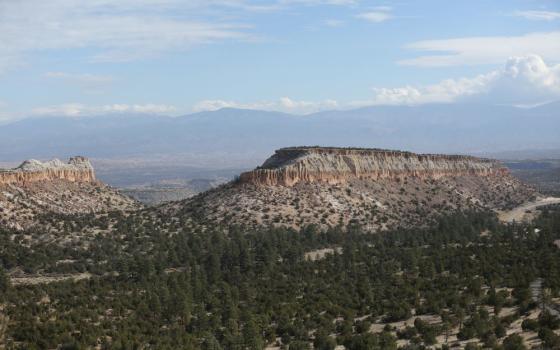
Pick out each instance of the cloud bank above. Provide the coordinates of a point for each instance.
(522, 81)
(377, 15)
(484, 50)
(81, 110)
(284, 104)
(113, 30)
(537, 15)
(525, 80)
(126, 30)
(87, 82)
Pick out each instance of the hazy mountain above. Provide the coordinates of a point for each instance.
(232, 137)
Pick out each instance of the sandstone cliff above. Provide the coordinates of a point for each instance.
(78, 169)
(289, 166)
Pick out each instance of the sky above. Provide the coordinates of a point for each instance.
(174, 57)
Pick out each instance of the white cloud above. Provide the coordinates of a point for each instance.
(125, 30)
(151, 108)
(485, 50)
(523, 80)
(277, 5)
(319, 2)
(80, 110)
(284, 104)
(87, 82)
(377, 15)
(214, 105)
(113, 30)
(536, 15)
(446, 91)
(334, 23)
(82, 78)
(383, 8)
(306, 106)
(69, 109)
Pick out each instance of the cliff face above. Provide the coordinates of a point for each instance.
(34, 189)
(289, 166)
(78, 169)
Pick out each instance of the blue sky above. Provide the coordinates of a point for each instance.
(75, 58)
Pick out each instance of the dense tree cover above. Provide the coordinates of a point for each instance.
(244, 289)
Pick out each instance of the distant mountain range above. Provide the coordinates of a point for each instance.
(243, 138)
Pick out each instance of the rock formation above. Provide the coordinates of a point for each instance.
(34, 191)
(377, 189)
(289, 166)
(78, 169)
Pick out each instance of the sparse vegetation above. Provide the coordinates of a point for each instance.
(156, 285)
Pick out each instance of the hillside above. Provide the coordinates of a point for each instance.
(181, 275)
(157, 278)
(36, 189)
(377, 189)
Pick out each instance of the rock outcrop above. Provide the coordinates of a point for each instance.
(78, 169)
(33, 192)
(377, 189)
(289, 166)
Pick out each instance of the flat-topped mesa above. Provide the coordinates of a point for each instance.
(78, 169)
(290, 166)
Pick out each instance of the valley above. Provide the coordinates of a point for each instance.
(542, 173)
(170, 191)
(526, 211)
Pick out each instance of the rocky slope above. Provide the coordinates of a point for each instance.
(35, 189)
(377, 189)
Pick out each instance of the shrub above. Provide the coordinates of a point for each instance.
(514, 342)
(530, 325)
